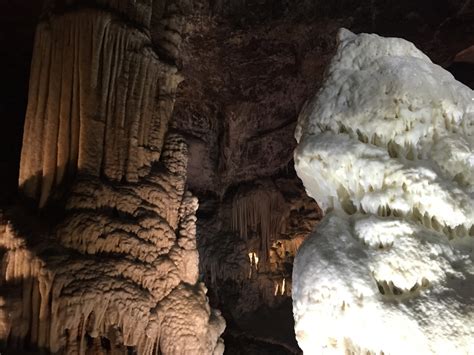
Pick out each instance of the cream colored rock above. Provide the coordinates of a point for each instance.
(92, 103)
(121, 264)
(129, 273)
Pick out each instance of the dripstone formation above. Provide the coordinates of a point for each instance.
(386, 148)
(101, 120)
(118, 270)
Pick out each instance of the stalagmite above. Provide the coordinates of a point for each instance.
(386, 147)
(121, 264)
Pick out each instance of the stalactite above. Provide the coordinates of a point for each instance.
(93, 84)
(259, 210)
(122, 263)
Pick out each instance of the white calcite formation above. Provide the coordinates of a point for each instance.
(118, 271)
(386, 148)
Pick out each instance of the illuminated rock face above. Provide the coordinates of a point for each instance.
(93, 104)
(120, 268)
(386, 147)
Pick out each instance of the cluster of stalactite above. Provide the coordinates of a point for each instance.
(258, 264)
(261, 211)
(232, 259)
(99, 102)
(120, 269)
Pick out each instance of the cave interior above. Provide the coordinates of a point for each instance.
(233, 76)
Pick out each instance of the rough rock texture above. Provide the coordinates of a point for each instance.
(92, 106)
(387, 149)
(248, 67)
(122, 265)
(118, 269)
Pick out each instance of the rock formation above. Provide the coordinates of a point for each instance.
(100, 98)
(248, 67)
(386, 148)
(118, 270)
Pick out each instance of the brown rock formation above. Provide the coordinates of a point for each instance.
(120, 268)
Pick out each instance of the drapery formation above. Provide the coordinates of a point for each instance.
(122, 265)
(99, 102)
(120, 268)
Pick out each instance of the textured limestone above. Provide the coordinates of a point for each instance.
(261, 210)
(253, 258)
(99, 102)
(386, 147)
(121, 263)
(121, 266)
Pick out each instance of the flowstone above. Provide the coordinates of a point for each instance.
(386, 148)
(116, 270)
